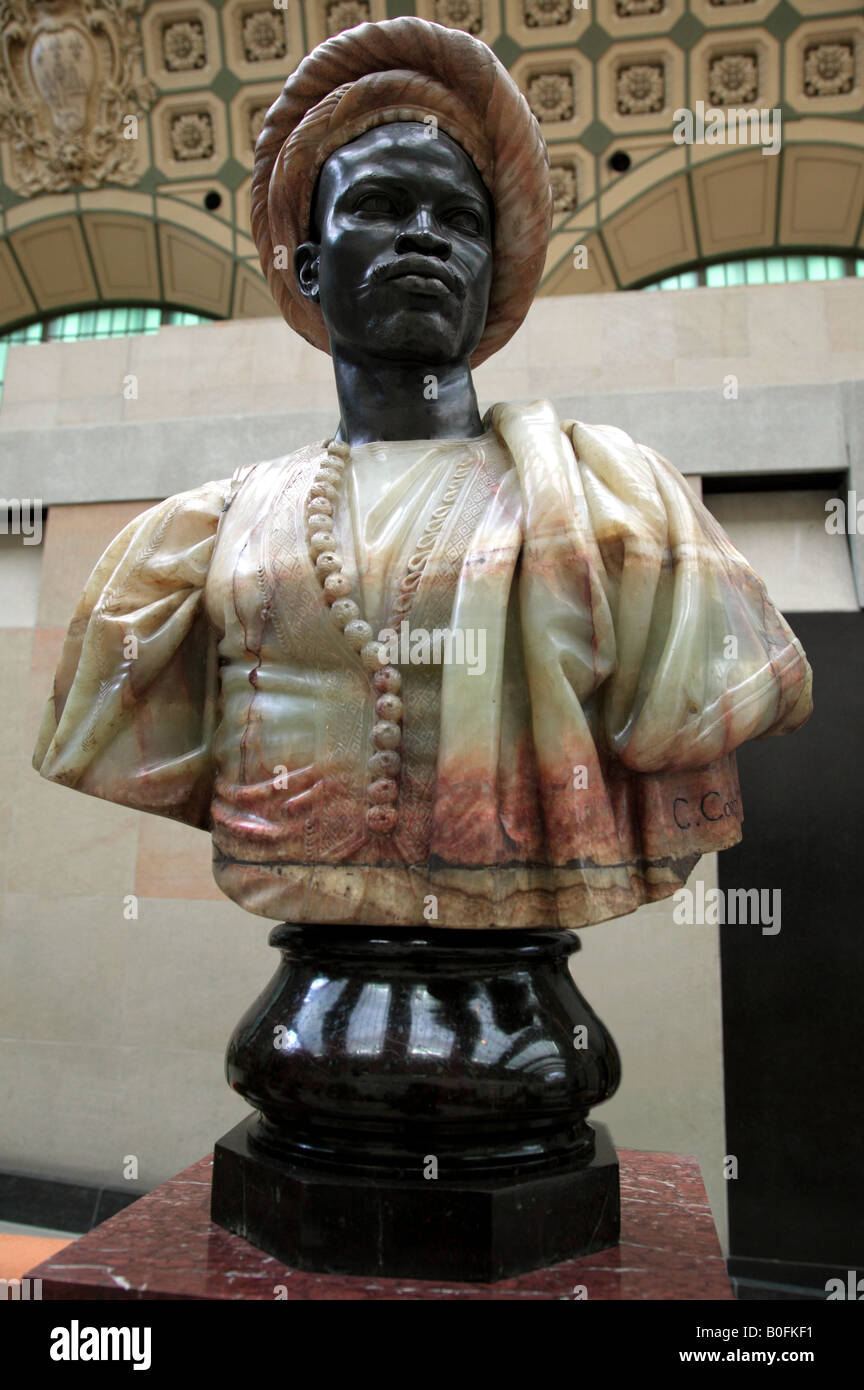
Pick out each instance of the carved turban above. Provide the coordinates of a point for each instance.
(404, 70)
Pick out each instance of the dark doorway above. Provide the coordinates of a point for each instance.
(793, 1012)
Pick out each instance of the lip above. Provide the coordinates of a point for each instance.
(420, 284)
(421, 275)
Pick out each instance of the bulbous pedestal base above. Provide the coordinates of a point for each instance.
(422, 1099)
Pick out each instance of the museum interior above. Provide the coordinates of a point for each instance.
(703, 293)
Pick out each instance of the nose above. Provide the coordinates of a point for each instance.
(422, 235)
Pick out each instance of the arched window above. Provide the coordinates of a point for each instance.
(763, 270)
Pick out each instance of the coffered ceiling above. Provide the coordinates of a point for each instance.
(127, 131)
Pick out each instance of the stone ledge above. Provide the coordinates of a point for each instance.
(769, 429)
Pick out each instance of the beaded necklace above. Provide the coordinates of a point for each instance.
(385, 760)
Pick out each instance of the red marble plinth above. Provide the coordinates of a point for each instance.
(165, 1246)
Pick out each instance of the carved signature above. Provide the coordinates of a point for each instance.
(712, 807)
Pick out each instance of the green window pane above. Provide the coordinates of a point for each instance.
(836, 267)
(775, 270)
(715, 276)
(816, 268)
(31, 334)
(859, 267)
(796, 268)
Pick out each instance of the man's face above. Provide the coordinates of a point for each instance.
(402, 261)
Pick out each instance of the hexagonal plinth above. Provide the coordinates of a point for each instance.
(474, 1229)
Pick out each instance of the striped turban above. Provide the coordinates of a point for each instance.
(404, 70)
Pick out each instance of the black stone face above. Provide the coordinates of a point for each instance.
(401, 259)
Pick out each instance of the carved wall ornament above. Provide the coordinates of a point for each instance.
(562, 178)
(539, 14)
(733, 78)
(551, 97)
(69, 81)
(628, 9)
(263, 35)
(641, 89)
(192, 135)
(184, 47)
(460, 14)
(829, 69)
(344, 14)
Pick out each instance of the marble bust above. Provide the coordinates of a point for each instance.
(439, 669)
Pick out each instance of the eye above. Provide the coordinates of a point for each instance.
(465, 220)
(375, 205)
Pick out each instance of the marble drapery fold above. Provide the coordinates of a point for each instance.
(629, 649)
(135, 698)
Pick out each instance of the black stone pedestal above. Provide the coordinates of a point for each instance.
(422, 1100)
(481, 1228)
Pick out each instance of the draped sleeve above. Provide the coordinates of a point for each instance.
(135, 698)
(704, 660)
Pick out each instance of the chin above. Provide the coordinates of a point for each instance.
(410, 338)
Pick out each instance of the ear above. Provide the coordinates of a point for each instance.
(306, 263)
